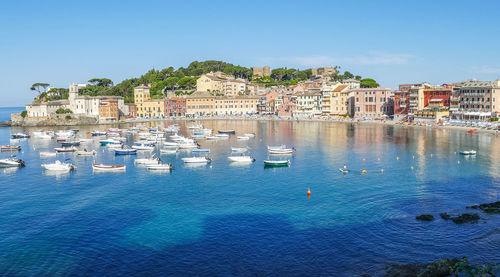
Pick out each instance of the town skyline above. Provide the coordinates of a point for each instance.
(57, 43)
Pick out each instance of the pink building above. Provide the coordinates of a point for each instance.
(287, 107)
(266, 105)
(175, 106)
(372, 102)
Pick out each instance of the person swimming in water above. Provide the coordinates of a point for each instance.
(345, 166)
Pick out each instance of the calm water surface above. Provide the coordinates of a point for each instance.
(224, 219)
(6, 111)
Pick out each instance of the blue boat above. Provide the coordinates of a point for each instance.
(200, 150)
(125, 151)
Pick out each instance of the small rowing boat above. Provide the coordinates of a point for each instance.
(231, 132)
(108, 167)
(64, 149)
(271, 163)
(84, 152)
(242, 138)
(10, 147)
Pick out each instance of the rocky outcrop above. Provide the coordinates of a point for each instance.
(57, 120)
(489, 208)
(443, 267)
(425, 217)
(463, 218)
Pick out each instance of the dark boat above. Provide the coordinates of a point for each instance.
(70, 143)
(230, 132)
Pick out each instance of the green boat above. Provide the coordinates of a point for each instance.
(270, 163)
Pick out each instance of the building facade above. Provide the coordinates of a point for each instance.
(259, 72)
(200, 103)
(372, 102)
(108, 109)
(175, 106)
(479, 100)
(308, 104)
(235, 105)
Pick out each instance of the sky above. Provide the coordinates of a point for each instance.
(393, 42)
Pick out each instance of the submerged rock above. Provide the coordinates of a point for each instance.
(443, 267)
(463, 218)
(425, 217)
(490, 208)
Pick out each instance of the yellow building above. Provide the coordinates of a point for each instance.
(153, 108)
(200, 103)
(108, 109)
(239, 105)
(339, 100)
(221, 83)
(141, 94)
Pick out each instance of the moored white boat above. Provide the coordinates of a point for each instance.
(108, 167)
(85, 152)
(284, 151)
(147, 161)
(198, 160)
(250, 135)
(10, 147)
(201, 150)
(210, 138)
(65, 149)
(59, 166)
(242, 138)
(241, 159)
(12, 162)
(271, 163)
(143, 146)
(468, 152)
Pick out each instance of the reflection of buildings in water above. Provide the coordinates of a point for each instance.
(492, 151)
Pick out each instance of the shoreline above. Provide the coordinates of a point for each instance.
(350, 121)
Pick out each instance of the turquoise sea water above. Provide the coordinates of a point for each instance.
(225, 220)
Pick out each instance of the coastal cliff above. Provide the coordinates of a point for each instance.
(58, 120)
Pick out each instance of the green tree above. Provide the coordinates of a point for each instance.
(187, 82)
(348, 75)
(39, 87)
(369, 83)
(101, 82)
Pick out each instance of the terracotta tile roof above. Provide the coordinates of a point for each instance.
(340, 88)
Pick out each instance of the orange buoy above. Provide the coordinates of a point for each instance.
(364, 171)
(364, 160)
(309, 193)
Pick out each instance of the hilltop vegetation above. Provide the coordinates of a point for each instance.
(183, 80)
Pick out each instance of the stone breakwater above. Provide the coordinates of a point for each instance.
(59, 120)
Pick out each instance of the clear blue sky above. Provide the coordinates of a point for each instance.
(60, 42)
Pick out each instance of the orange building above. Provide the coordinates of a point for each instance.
(108, 109)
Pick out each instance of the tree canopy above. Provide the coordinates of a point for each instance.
(101, 82)
(369, 83)
(39, 87)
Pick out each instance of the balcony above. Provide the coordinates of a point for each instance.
(413, 95)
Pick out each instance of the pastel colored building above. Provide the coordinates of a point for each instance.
(175, 106)
(479, 100)
(287, 106)
(236, 105)
(132, 110)
(108, 109)
(372, 102)
(200, 103)
(307, 104)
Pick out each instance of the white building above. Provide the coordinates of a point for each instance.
(78, 104)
